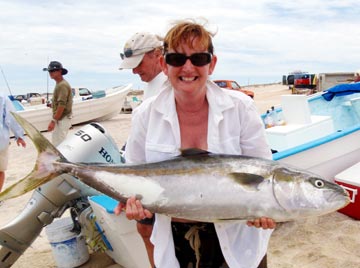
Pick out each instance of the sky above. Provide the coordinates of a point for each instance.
(256, 41)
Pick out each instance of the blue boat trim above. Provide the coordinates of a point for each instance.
(106, 202)
(103, 236)
(315, 143)
(17, 105)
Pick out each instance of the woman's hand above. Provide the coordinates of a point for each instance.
(133, 209)
(263, 222)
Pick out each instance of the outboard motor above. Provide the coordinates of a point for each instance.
(91, 143)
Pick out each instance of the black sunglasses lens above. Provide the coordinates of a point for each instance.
(178, 59)
(175, 59)
(127, 53)
(200, 59)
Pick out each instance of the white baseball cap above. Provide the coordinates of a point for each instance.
(136, 47)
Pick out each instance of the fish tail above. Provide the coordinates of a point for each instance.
(43, 171)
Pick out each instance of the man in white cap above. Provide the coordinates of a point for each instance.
(61, 103)
(141, 54)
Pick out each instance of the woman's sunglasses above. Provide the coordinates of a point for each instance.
(197, 59)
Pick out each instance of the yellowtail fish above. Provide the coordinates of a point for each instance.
(202, 186)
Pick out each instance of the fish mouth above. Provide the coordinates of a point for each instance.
(342, 199)
(347, 196)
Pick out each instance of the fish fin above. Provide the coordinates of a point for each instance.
(43, 170)
(26, 184)
(247, 180)
(41, 143)
(193, 151)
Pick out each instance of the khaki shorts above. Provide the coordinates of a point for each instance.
(4, 158)
(61, 129)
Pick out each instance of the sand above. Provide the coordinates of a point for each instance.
(330, 241)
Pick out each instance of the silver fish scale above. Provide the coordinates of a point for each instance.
(216, 187)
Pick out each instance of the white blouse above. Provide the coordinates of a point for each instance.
(234, 127)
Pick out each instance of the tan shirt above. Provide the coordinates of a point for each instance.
(62, 97)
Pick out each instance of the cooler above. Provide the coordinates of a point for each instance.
(127, 246)
(350, 180)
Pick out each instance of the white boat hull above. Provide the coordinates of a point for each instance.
(96, 109)
(325, 148)
(327, 159)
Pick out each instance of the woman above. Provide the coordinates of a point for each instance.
(192, 112)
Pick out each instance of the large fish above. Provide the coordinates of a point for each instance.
(204, 187)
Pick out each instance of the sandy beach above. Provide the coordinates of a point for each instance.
(330, 241)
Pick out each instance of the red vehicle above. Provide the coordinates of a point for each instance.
(302, 81)
(233, 85)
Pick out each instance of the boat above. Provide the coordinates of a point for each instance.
(321, 131)
(135, 102)
(130, 103)
(87, 107)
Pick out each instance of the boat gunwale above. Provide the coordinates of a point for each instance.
(318, 142)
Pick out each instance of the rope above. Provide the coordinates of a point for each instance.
(194, 239)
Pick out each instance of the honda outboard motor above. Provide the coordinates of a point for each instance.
(91, 143)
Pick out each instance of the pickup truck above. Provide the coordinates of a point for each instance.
(301, 82)
(233, 85)
(30, 98)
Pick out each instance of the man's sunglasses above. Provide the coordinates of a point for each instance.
(129, 52)
(197, 59)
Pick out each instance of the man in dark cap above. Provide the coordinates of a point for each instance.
(61, 103)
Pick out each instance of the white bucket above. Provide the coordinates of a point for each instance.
(68, 248)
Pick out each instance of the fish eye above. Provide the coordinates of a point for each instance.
(319, 183)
